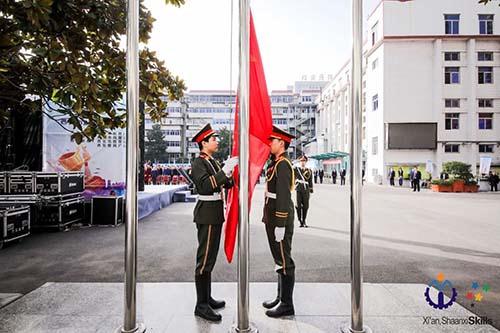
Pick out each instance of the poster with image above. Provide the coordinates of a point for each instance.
(102, 161)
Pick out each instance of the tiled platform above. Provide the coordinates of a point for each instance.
(168, 307)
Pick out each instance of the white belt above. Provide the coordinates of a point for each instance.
(302, 182)
(270, 195)
(213, 197)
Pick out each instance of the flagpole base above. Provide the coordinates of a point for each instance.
(251, 329)
(139, 328)
(346, 328)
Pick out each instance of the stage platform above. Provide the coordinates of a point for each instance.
(156, 197)
(168, 307)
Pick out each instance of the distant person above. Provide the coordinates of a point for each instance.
(400, 176)
(154, 174)
(493, 179)
(343, 174)
(392, 176)
(321, 175)
(334, 176)
(315, 176)
(363, 177)
(416, 180)
(303, 189)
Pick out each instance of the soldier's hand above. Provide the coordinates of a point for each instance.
(279, 234)
(229, 165)
(311, 190)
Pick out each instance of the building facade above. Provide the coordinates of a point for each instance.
(431, 88)
(294, 110)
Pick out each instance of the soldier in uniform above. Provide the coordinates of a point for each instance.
(210, 180)
(278, 217)
(303, 186)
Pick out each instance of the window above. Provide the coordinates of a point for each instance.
(375, 102)
(451, 24)
(485, 148)
(374, 33)
(452, 56)
(485, 103)
(452, 148)
(451, 75)
(485, 56)
(374, 66)
(452, 121)
(452, 103)
(375, 145)
(486, 24)
(485, 75)
(485, 121)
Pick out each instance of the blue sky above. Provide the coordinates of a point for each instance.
(303, 37)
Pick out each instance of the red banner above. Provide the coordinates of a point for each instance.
(260, 127)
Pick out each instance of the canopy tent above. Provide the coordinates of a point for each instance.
(329, 156)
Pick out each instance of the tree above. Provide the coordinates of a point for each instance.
(67, 52)
(225, 137)
(155, 146)
(486, 1)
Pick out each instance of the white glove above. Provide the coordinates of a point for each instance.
(279, 234)
(229, 165)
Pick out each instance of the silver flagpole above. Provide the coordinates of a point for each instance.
(243, 322)
(129, 320)
(356, 324)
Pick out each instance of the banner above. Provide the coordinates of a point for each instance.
(260, 128)
(485, 164)
(102, 161)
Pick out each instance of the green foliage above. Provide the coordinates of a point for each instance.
(486, 1)
(458, 170)
(442, 182)
(155, 145)
(67, 52)
(225, 137)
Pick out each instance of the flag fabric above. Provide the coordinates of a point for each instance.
(260, 127)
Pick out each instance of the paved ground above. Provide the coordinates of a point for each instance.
(409, 238)
(319, 308)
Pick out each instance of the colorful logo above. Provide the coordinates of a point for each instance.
(476, 294)
(441, 285)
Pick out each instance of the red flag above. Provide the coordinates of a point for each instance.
(260, 128)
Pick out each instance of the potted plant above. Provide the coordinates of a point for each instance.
(460, 173)
(442, 185)
(471, 186)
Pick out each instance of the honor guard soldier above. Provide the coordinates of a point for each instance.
(303, 187)
(278, 217)
(210, 180)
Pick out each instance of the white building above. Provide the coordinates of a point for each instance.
(432, 86)
(293, 111)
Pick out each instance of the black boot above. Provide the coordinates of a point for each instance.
(272, 303)
(214, 304)
(299, 217)
(285, 308)
(202, 308)
(304, 224)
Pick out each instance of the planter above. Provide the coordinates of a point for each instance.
(471, 188)
(442, 188)
(458, 185)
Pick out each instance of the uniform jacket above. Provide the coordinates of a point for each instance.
(280, 181)
(306, 175)
(209, 178)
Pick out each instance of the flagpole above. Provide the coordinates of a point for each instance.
(356, 324)
(129, 321)
(243, 323)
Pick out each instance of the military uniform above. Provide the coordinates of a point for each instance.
(279, 213)
(303, 188)
(210, 181)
